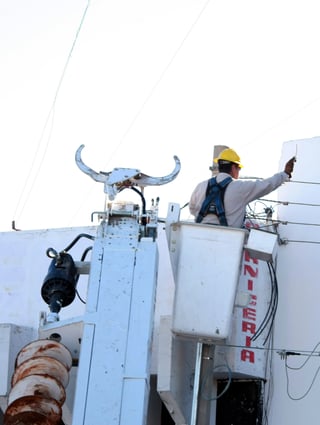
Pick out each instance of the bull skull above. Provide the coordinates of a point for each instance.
(121, 178)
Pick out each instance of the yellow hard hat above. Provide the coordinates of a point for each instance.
(229, 155)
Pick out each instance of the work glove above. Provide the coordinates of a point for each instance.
(289, 166)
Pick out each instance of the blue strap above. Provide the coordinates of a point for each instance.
(213, 203)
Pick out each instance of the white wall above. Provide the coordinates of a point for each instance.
(23, 267)
(298, 315)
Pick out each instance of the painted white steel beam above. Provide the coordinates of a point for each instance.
(114, 368)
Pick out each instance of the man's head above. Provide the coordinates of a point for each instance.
(229, 162)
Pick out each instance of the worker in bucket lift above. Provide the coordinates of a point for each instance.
(222, 200)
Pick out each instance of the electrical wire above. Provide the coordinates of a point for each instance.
(300, 352)
(266, 131)
(276, 222)
(290, 203)
(209, 374)
(284, 354)
(286, 241)
(269, 222)
(272, 308)
(158, 81)
(79, 297)
(303, 182)
(77, 292)
(287, 367)
(150, 94)
(83, 257)
(306, 361)
(265, 215)
(291, 181)
(275, 300)
(50, 116)
(268, 387)
(308, 389)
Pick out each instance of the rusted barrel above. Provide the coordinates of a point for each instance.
(38, 384)
(41, 365)
(48, 348)
(35, 410)
(42, 385)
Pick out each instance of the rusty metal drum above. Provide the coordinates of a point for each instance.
(41, 385)
(45, 347)
(33, 410)
(42, 365)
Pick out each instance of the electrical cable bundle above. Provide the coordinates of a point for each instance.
(272, 309)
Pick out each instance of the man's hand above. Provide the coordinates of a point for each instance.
(289, 166)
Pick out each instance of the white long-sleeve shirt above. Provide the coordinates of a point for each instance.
(237, 195)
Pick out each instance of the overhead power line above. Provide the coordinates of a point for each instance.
(303, 182)
(291, 181)
(150, 94)
(290, 203)
(50, 117)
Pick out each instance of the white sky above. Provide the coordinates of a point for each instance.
(147, 79)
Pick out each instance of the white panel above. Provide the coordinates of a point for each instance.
(297, 320)
(262, 245)
(164, 294)
(142, 311)
(176, 365)
(133, 409)
(83, 377)
(114, 389)
(12, 339)
(208, 262)
(240, 353)
(70, 332)
(5, 371)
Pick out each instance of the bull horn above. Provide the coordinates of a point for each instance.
(87, 170)
(144, 180)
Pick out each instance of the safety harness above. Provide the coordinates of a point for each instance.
(213, 202)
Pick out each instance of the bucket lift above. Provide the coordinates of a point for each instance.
(114, 365)
(116, 329)
(207, 264)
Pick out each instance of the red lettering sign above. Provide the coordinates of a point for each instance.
(250, 270)
(249, 327)
(247, 356)
(249, 313)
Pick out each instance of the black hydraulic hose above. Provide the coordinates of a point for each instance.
(142, 198)
(82, 235)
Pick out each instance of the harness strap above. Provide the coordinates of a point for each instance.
(213, 202)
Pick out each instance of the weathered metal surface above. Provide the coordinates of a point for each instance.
(35, 410)
(45, 347)
(114, 368)
(38, 384)
(42, 365)
(41, 385)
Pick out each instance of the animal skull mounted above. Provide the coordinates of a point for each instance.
(120, 178)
